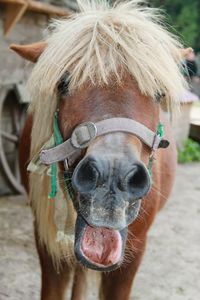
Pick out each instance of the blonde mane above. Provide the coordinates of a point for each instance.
(96, 44)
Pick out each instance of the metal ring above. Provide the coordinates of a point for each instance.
(80, 133)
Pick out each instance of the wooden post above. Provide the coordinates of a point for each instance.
(14, 12)
(15, 9)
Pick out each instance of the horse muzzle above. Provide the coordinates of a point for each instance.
(109, 195)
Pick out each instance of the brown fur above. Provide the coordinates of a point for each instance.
(90, 104)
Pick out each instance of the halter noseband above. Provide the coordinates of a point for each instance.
(85, 133)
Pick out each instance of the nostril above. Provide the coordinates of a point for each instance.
(138, 181)
(85, 176)
(136, 178)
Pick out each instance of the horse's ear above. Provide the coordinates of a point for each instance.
(185, 52)
(30, 52)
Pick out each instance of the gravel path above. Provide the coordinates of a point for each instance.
(171, 266)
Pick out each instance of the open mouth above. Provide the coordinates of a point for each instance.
(99, 248)
(101, 245)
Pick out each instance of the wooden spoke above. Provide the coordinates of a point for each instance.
(8, 136)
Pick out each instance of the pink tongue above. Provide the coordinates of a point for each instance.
(101, 245)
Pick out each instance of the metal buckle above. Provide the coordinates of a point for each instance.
(83, 134)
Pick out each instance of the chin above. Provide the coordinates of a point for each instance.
(99, 248)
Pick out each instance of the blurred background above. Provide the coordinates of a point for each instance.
(171, 265)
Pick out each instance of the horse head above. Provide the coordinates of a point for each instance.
(111, 177)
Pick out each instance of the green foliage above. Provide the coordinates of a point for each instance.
(184, 17)
(187, 23)
(190, 152)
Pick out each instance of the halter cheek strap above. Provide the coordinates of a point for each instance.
(85, 133)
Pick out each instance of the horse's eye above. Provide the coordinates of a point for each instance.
(63, 84)
(159, 96)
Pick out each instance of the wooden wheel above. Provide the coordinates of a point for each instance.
(12, 116)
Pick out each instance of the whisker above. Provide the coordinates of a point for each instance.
(159, 192)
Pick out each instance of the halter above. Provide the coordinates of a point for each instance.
(83, 135)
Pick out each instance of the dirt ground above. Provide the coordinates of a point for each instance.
(171, 266)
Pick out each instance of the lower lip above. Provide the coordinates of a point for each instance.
(101, 246)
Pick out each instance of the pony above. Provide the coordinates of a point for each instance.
(97, 173)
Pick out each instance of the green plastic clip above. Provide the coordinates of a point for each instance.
(160, 129)
(160, 132)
